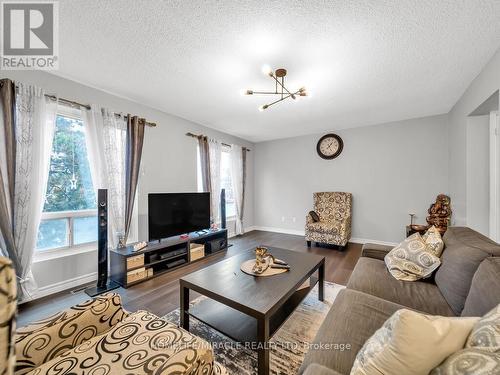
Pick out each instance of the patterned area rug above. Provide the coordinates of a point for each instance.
(289, 343)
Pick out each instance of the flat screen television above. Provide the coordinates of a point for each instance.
(172, 214)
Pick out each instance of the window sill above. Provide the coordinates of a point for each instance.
(44, 255)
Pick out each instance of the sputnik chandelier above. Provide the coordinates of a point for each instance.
(279, 88)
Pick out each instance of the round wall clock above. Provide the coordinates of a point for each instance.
(330, 146)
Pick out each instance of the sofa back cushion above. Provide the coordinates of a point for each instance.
(48, 338)
(465, 249)
(8, 303)
(484, 293)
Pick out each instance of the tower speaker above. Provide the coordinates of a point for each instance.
(103, 283)
(223, 208)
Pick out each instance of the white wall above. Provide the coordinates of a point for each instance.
(168, 165)
(391, 169)
(478, 173)
(483, 86)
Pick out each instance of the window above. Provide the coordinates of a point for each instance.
(69, 215)
(226, 182)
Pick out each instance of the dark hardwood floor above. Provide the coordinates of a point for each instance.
(161, 294)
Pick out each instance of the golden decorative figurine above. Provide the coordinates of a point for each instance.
(440, 213)
(261, 259)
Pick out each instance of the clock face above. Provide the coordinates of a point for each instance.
(330, 146)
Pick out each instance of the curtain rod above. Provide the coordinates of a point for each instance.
(189, 134)
(87, 106)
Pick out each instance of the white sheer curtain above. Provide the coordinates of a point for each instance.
(237, 176)
(106, 136)
(35, 124)
(214, 152)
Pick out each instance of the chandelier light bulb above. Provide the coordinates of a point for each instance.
(266, 69)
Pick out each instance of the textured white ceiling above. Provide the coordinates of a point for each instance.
(365, 61)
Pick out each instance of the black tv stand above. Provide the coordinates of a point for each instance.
(129, 267)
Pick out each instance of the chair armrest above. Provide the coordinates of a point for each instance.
(371, 250)
(345, 227)
(48, 338)
(315, 369)
(309, 219)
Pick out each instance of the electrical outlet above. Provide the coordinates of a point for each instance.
(282, 219)
(294, 219)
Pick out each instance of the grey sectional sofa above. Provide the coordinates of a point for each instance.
(466, 284)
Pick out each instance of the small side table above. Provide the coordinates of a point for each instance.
(410, 230)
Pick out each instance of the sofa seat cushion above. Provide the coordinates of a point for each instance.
(323, 227)
(140, 344)
(353, 318)
(371, 276)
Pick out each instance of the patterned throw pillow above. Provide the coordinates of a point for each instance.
(470, 362)
(412, 259)
(434, 241)
(486, 333)
(314, 216)
(412, 343)
(481, 355)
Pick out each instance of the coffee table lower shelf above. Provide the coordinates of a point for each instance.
(239, 326)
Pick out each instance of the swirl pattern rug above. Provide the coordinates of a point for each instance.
(289, 343)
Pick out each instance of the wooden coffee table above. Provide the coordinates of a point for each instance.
(246, 308)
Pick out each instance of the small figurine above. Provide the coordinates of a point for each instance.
(261, 259)
(264, 259)
(440, 213)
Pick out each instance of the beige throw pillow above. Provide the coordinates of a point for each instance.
(411, 260)
(434, 241)
(411, 343)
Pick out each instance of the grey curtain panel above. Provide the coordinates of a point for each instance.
(205, 162)
(8, 168)
(244, 165)
(135, 140)
(26, 134)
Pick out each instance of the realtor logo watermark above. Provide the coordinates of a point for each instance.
(30, 35)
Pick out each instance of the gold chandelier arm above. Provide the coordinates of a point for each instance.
(277, 101)
(279, 83)
(265, 93)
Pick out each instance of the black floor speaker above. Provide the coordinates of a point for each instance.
(223, 208)
(103, 283)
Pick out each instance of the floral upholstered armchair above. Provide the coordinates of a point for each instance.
(330, 222)
(97, 337)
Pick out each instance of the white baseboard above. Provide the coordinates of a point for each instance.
(377, 242)
(281, 230)
(301, 233)
(65, 284)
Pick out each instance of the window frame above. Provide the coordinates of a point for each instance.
(71, 248)
(69, 216)
(227, 149)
